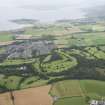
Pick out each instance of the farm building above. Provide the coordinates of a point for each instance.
(95, 102)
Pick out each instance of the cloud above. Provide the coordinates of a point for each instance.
(38, 2)
(49, 4)
(44, 5)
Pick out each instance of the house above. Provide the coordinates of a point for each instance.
(23, 68)
(95, 102)
(55, 98)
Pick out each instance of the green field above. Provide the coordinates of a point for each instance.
(71, 101)
(19, 82)
(5, 38)
(87, 39)
(73, 91)
(54, 29)
(2, 50)
(34, 84)
(93, 27)
(94, 89)
(10, 82)
(67, 89)
(67, 35)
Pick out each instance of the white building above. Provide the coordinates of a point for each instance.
(95, 102)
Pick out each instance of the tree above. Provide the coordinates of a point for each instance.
(87, 99)
(14, 37)
(48, 37)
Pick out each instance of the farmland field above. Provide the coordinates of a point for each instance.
(33, 96)
(33, 82)
(95, 27)
(74, 88)
(28, 96)
(67, 89)
(71, 101)
(72, 92)
(89, 88)
(10, 82)
(5, 38)
(51, 30)
(5, 99)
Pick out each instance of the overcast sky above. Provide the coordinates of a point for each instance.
(14, 3)
(43, 10)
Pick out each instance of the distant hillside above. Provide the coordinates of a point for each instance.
(24, 21)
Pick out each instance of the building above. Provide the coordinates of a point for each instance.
(95, 102)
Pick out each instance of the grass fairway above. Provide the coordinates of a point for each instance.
(71, 101)
(67, 89)
(64, 63)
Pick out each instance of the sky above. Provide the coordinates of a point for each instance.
(18, 3)
(44, 10)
